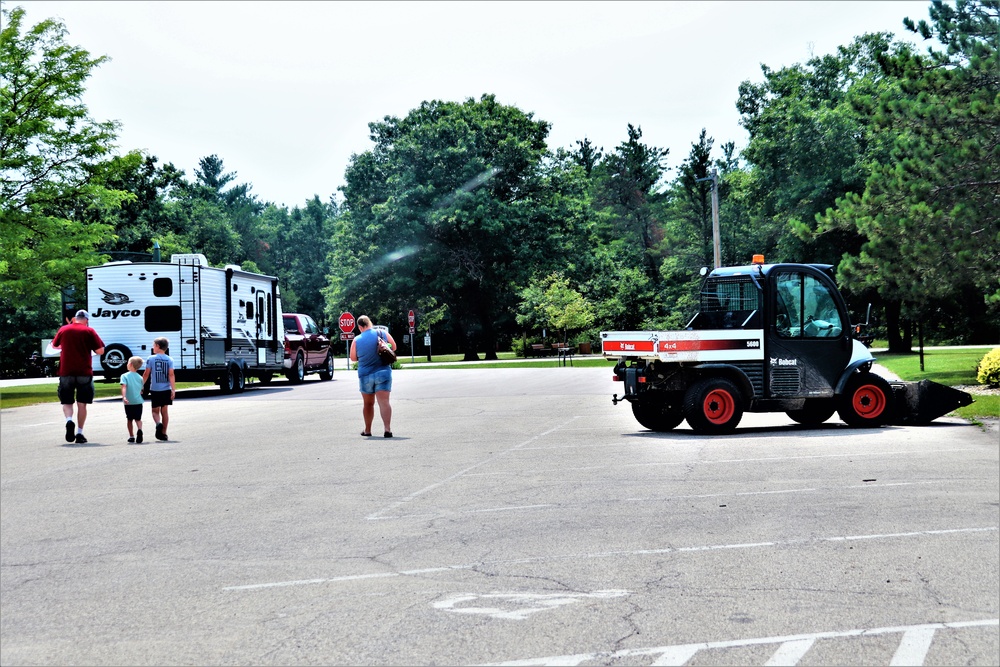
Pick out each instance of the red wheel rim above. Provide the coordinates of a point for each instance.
(869, 401)
(719, 406)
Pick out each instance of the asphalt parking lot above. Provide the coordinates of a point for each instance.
(517, 517)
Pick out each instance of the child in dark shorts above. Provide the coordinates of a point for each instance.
(132, 398)
(162, 386)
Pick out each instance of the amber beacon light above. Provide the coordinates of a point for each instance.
(758, 259)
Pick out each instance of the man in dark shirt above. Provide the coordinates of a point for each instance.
(76, 342)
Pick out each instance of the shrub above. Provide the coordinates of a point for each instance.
(988, 371)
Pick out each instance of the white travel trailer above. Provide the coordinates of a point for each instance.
(223, 325)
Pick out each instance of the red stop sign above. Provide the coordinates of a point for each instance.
(346, 322)
(411, 318)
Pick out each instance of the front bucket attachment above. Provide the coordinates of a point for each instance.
(923, 402)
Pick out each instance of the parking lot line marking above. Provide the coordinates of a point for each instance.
(416, 494)
(681, 653)
(513, 507)
(789, 653)
(609, 554)
(913, 646)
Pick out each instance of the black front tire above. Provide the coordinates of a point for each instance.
(866, 401)
(327, 372)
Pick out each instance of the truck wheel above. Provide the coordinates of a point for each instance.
(297, 373)
(327, 372)
(866, 401)
(713, 405)
(814, 412)
(657, 413)
(114, 361)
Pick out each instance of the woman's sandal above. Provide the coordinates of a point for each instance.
(367, 435)
(388, 434)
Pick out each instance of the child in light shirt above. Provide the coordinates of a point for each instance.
(132, 398)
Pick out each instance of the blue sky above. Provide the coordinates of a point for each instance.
(283, 91)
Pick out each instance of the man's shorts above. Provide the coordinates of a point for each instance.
(158, 399)
(76, 389)
(380, 380)
(133, 412)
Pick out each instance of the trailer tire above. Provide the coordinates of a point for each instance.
(814, 412)
(713, 406)
(657, 412)
(239, 380)
(327, 372)
(866, 401)
(265, 377)
(297, 373)
(114, 361)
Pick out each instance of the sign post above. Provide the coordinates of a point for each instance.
(411, 319)
(347, 333)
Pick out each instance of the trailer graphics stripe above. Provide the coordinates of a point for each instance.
(616, 346)
(712, 344)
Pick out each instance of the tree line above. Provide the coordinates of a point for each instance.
(881, 159)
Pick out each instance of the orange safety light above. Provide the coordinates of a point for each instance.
(758, 259)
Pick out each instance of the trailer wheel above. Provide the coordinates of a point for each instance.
(657, 412)
(814, 412)
(239, 380)
(713, 405)
(114, 361)
(227, 383)
(297, 373)
(265, 377)
(327, 372)
(866, 401)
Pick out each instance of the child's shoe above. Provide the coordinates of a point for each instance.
(131, 439)
(138, 436)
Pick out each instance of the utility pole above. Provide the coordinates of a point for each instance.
(714, 177)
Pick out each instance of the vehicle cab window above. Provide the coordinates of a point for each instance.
(805, 308)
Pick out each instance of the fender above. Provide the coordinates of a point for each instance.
(734, 373)
(849, 371)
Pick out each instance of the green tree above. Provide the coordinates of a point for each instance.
(810, 143)
(554, 303)
(929, 212)
(51, 154)
(444, 207)
(627, 184)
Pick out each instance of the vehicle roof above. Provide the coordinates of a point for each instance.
(765, 269)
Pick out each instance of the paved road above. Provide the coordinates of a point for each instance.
(517, 518)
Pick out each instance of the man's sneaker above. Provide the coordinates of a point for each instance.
(70, 430)
(161, 435)
(131, 439)
(159, 431)
(138, 437)
(80, 439)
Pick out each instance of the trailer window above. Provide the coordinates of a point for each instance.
(163, 287)
(163, 318)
